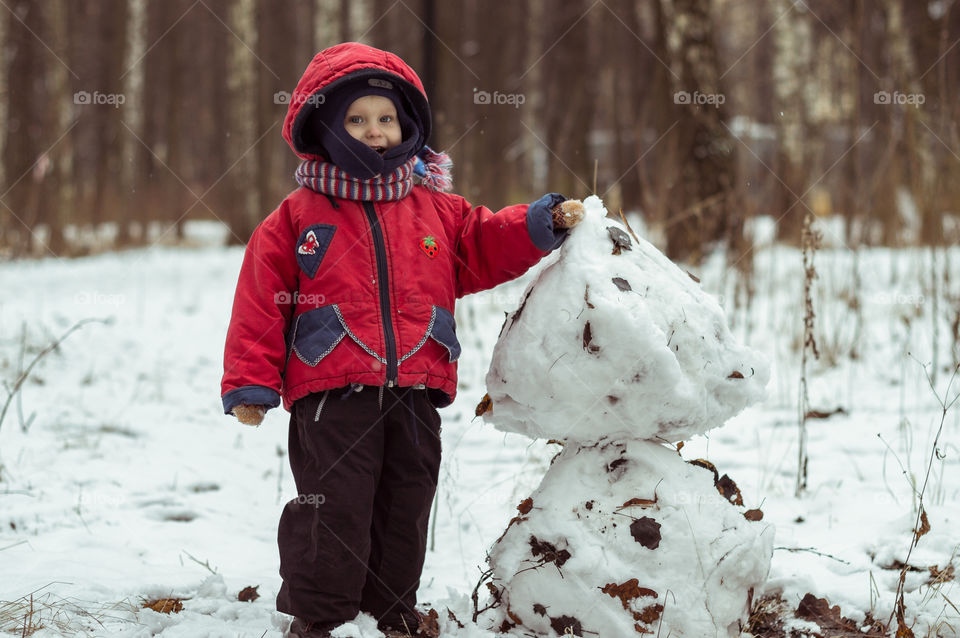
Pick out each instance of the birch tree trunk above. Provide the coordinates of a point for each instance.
(793, 37)
(131, 168)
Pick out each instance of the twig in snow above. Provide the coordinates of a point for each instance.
(921, 524)
(12, 391)
(627, 224)
(813, 551)
(203, 564)
(474, 596)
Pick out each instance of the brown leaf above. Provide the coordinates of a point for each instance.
(646, 531)
(525, 506)
(539, 609)
(565, 625)
(248, 594)
(621, 240)
(429, 624)
(753, 515)
(586, 297)
(622, 284)
(650, 615)
(627, 591)
(823, 414)
(640, 502)
(548, 551)
(485, 405)
(818, 610)
(515, 519)
(924, 526)
(938, 575)
(452, 616)
(588, 338)
(692, 276)
(729, 490)
(707, 465)
(614, 464)
(164, 605)
(736, 374)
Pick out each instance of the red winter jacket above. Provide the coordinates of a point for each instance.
(335, 292)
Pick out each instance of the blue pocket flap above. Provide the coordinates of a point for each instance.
(316, 333)
(444, 332)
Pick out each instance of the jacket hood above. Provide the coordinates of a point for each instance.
(344, 64)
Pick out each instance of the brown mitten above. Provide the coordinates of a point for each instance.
(249, 414)
(568, 214)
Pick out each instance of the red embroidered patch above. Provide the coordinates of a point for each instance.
(429, 245)
(309, 245)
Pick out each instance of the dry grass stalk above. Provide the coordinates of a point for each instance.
(810, 242)
(922, 525)
(32, 612)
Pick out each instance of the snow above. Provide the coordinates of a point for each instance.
(621, 528)
(616, 341)
(691, 552)
(128, 439)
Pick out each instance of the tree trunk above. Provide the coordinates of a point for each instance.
(241, 121)
(132, 171)
(567, 114)
(24, 129)
(703, 206)
(792, 63)
(63, 191)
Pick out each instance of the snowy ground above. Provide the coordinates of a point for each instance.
(121, 480)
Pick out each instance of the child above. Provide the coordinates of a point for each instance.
(344, 309)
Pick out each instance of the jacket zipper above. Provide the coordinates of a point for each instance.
(380, 248)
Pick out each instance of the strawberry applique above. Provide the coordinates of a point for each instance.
(429, 245)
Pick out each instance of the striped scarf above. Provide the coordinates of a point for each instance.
(430, 168)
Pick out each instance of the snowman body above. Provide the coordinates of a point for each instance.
(616, 351)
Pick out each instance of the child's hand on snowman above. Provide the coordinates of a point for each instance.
(567, 214)
(249, 414)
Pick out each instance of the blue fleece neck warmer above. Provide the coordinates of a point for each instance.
(350, 154)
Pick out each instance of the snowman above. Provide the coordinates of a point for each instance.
(618, 354)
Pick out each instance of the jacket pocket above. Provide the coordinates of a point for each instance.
(316, 333)
(443, 330)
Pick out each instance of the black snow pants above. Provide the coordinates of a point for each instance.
(354, 539)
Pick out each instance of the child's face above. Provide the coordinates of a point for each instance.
(372, 119)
